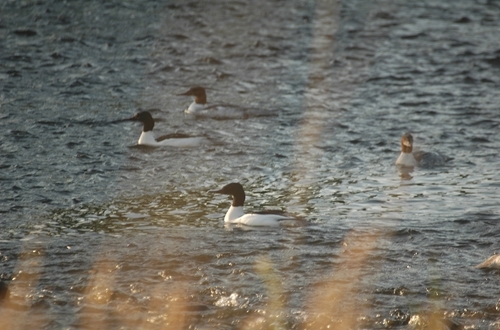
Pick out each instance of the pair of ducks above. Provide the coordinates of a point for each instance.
(235, 214)
(199, 106)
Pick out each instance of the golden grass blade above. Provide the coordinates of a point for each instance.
(98, 294)
(274, 318)
(15, 311)
(333, 303)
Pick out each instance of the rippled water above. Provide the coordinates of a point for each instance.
(100, 233)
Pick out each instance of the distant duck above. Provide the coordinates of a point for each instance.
(492, 262)
(174, 140)
(200, 108)
(199, 100)
(236, 215)
(408, 158)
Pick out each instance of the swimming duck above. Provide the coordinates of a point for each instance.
(236, 215)
(174, 140)
(199, 99)
(200, 108)
(408, 158)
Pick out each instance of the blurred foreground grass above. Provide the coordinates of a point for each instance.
(331, 304)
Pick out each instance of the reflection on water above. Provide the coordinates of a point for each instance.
(100, 233)
(405, 172)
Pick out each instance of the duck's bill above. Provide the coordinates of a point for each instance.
(407, 143)
(188, 93)
(122, 120)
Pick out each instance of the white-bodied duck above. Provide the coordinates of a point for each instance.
(174, 140)
(200, 107)
(236, 214)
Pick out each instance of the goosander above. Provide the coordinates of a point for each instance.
(408, 158)
(492, 262)
(174, 140)
(199, 99)
(200, 108)
(236, 215)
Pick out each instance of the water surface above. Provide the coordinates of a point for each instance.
(100, 233)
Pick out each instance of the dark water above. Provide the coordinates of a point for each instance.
(99, 233)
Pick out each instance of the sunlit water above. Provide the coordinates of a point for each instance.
(97, 232)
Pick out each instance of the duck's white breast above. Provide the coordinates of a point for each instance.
(195, 108)
(147, 139)
(406, 159)
(234, 213)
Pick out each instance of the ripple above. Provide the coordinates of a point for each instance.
(122, 224)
